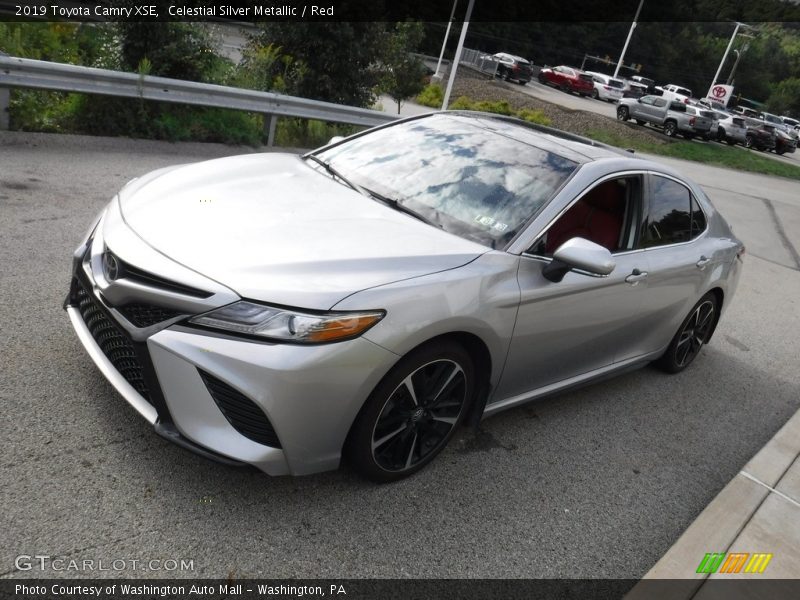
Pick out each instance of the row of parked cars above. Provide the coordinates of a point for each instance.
(673, 108)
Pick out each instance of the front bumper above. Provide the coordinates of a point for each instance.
(308, 396)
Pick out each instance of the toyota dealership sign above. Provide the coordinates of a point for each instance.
(720, 93)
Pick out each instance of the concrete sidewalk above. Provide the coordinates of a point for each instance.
(757, 512)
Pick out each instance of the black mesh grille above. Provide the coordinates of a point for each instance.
(241, 412)
(145, 315)
(113, 341)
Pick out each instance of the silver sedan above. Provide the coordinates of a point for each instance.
(364, 300)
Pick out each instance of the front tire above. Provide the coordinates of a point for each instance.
(693, 333)
(413, 412)
(623, 114)
(748, 142)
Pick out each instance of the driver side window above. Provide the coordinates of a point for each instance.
(608, 215)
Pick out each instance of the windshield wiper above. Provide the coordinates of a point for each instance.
(390, 202)
(395, 204)
(330, 169)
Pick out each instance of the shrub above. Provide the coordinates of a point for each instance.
(432, 95)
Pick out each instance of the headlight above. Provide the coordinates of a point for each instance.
(286, 325)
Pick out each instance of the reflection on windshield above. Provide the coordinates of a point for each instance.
(470, 180)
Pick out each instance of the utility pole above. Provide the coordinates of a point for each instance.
(446, 36)
(457, 57)
(725, 56)
(628, 40)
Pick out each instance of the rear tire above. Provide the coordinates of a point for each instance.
(413, 412)
(748, 141)
(692, 335)
(595, 95)
(670, 129)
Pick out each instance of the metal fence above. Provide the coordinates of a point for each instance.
(480, 61)
(36, 74)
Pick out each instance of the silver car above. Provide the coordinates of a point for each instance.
(367, 298)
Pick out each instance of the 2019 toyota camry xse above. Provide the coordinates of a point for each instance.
(366, 298)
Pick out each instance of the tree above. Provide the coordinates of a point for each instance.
(404, 73)
(341, 59)
(176, 50)
(785, 98)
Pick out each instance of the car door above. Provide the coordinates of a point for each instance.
(680, 258)
(642, 108)
(577, 325)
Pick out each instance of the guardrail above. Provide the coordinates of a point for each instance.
(36, 74)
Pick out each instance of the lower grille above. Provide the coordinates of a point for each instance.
(111, 339)
(241, 412)
(145, 315)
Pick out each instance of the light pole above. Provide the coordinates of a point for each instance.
(446, 35)
(725, 56)
(736, 64)
(457, 57)
(628, 40)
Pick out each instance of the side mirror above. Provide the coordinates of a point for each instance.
(579, 253)
(335, 140)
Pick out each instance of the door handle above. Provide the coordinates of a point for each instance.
(636, 276)
(701, 264)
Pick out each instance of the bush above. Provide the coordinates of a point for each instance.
(501, 107)
(432, 95)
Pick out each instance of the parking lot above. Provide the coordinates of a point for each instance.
(608, 109)
(598, 482)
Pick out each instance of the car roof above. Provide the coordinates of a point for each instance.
(567, 145)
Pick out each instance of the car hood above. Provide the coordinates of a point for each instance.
(272, 228)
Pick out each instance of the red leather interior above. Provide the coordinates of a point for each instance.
(597, 217)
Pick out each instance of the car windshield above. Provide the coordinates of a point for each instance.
(460, 175)
(683, 91)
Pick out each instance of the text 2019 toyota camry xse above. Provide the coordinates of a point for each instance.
(364, 299)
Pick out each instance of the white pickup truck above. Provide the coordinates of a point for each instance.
(672, 116)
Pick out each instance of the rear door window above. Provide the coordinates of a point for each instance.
(669, 215)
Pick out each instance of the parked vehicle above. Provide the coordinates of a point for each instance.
(645, 81)
(676, 92)
(633, 89)
(568, 79)
(511, 67)
(367, 298)
(732, 129)
(779, 123)
(759, 135)
(605, 87)
(747, 112)
(793, 124)
(672, 116)
(701, 115)
(784, 143)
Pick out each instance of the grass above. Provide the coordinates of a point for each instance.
(708, 153)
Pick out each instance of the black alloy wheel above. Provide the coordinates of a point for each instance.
(412, 413)
(694, 333)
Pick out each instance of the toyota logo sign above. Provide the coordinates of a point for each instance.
(719, 92)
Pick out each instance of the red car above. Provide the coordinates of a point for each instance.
(568, 80)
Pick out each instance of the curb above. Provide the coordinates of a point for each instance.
(717, 528)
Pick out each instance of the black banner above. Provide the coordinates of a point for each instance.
(255, 11)
(405, 589)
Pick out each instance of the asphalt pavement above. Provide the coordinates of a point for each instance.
(598, 482)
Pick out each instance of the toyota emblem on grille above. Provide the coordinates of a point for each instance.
(110, 266)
